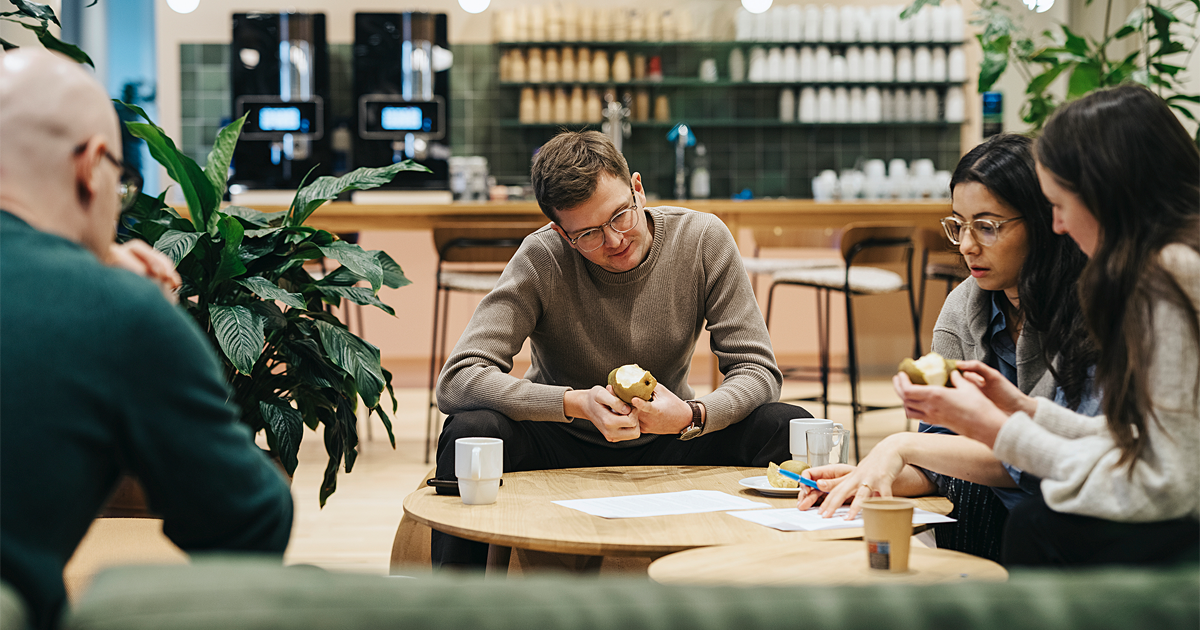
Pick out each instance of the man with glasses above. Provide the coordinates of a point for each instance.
(611, 282)
(101, 375)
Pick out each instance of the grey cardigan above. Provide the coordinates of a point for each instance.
(962, 326)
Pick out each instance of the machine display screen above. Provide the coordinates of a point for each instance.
(403, 119)
(280, 119)
(387, 117)
(270, 118)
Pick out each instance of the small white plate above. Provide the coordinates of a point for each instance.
(764, 487)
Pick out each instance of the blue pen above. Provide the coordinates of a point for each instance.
(804, 480)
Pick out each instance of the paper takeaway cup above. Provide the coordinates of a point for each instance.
(887, 533)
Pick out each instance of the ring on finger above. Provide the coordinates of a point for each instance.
(867, 486)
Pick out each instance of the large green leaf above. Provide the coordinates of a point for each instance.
(393, 275)
(268, 290)
(357, 357)
(217, 166)
(51, 42)
(177, 244)
(309, 198)
(36, 11)
(240, 334)
(349, 421)
(230, 265)
(995, 60)
(1084, 79)
(1043, 80)
(387, 423)
(252, 216)
(335, 444)
(1133, 23)
(1074, 44)
(357, 259)
(358, 295)
(202, 198)
(285, 430)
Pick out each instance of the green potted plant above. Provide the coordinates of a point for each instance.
(1157, 29)
(290, 362)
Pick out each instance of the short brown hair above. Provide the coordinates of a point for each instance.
(568, 167)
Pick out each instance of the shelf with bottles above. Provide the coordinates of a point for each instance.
(758, 65)
(699, 83)
(732, 123)
(723, 43)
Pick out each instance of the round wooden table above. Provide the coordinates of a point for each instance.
(525, 517)
(814, 562)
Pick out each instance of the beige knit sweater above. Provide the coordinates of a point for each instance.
(582, 321)
(1075, 455)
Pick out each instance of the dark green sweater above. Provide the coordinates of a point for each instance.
(99, 375)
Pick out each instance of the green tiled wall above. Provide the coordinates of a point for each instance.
(772, 161)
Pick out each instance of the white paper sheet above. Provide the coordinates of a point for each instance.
(793, 520)
(662, 504)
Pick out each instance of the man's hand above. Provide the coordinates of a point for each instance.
(667, 414)
(142, 259)
(616, 420)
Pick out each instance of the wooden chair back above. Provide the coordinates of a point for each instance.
(481, 242)
(878, 243)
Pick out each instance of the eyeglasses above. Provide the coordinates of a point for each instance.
(985, 231)
(131, 179)
(592, 238)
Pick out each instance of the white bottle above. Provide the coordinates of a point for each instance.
(621, 71)
(841, 105)
(812, 23)
(806, 70)
(938, 72)
(758, 64)
(922, 64)
(932, 105)
(583, 65)
(956, 105)
(551, 70)
(873, 104)
(830, 28)
(939, 31)
(787, 105)
(824, 61)
(545, 106)
(900, 109)
(848, 23)
(600, 66)
(904, 65)
(858, 105)
(825, 112)
(562, 106)
(837, 69)
(779, 24)
(700, 188)
(866, 24)
(854, 64)
(578, 113)
(956, 26)
(791, 64)
(887, 105)
(870, 64)
(887, 65)
(737, 66)
(795, 23)
(517, 69)
(743, 22)
(567, 65)
(775, 64)
(902, 28)
(920, 25)
(956, 65)
(808, 105)
(884, 28)
(528, 107)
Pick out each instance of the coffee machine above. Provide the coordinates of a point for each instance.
(280, 82)
(401, 89)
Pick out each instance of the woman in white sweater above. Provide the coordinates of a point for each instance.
(1124, 179)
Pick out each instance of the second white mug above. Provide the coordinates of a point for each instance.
(799, 427)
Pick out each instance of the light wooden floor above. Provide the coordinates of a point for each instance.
(354, 531)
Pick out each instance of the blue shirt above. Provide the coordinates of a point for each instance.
(1004, 360)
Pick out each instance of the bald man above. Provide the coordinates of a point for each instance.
(100, 374)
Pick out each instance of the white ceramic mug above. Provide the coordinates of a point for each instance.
(478, 464)
(828, 445)
(799, 428)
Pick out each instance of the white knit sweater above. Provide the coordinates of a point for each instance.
(1076, 456)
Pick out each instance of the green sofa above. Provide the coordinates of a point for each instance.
(244, 594)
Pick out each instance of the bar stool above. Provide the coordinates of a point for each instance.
(789, 238)
(873, 243)
(470, 258)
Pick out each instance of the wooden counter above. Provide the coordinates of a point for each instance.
(344, 217)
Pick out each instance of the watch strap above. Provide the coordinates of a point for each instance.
(697, 425)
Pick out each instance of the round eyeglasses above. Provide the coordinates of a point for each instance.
(985, 231)
(592, 238)
(131, 179)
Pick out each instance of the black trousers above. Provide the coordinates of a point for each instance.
(760, 438)
(1036, 535)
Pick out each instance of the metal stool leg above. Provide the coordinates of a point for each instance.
(855, 405)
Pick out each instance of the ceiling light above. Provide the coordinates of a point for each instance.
(756, 6)
(474, 6)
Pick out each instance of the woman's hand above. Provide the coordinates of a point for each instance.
(998, 389)
(963, 408)
(874, 476)
(826, 477)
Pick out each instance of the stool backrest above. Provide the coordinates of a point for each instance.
(793, 237)
(481, 242)
(875, 243)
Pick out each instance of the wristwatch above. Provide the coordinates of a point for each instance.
(697, 426)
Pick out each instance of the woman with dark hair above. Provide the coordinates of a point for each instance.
(1124, 180)
(1017, 313)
